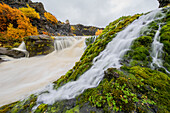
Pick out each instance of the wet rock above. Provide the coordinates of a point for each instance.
(11, 53)
(110, 73)
(163, 3)
(81, 30)
(1, 60)
(39, 45)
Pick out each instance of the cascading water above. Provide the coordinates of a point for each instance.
(61, 43)
(21, 77)
(157, 50)
(108, 58)
(22, 48)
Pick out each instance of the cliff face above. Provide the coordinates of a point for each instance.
(163, 3)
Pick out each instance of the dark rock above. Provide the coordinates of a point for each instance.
(1, 60)
(110, 73)
(11, 52)
(39, 45)
(163, 3)
(81, 30)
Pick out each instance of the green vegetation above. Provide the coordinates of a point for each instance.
(132, 88)
(165, 39)
(128, 92)
(95, 48)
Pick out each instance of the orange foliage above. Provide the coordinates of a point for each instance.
(29, 12)
(45, 33)
(15, 23)
(98, 32)
(14, 32)
(50, 17)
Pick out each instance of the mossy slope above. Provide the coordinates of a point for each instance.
(133, 88)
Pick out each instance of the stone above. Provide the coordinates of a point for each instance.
(81, 30)
(11, 53)
(163, 3)
(39, 45)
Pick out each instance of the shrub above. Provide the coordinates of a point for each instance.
(29, 12)
(50, 17)
(98, 32)
(15, 24)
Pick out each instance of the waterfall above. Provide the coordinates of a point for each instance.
(21, 77)
(157, 50)
(108, 58)
(60, 43)
(22, 48)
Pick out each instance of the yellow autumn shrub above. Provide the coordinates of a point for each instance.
(15, 33)
(73, 28)
(50, 17)
(15, 24)
(98, 32)
(29, 12)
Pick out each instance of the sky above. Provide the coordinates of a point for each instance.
(96, 12)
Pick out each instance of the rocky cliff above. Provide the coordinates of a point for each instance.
(81, 30)
(163, 3)
(42, 24)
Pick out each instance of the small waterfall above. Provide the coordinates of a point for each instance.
(157, 50)
(61, 43)
(108, 58)
(22, 48)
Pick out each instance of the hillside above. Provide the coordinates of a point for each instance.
(126, 69)
(38, 21)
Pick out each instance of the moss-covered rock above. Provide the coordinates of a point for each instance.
(132, 88)
(39, 45)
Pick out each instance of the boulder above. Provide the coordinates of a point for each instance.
(163, 3)
(11, 53)
(39, 45)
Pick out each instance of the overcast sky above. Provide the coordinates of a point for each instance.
(96, 12)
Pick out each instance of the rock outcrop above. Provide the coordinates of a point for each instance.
(39, 45)
(81, 30)
(163, 3)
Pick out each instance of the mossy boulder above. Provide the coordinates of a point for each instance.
(39, 45)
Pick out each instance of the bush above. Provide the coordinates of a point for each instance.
(98, 32)
(15, 24)
(30, 12)
(50, 17)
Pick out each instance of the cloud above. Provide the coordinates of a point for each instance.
(96, 12)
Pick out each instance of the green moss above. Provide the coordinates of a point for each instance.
(7, 108)
(165, 39)
(41, 108)
(140, 52)
(74, 110)
(132, 89)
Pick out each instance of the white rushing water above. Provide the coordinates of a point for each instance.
(108, 58)
(61, 43)
(22, 48)
(157, 50)
(21, 77)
